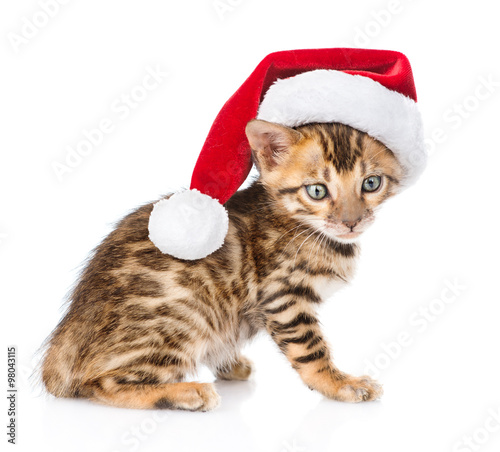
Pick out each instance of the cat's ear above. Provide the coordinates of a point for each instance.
(270, 142)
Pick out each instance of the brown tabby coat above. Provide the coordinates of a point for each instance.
(140, 320)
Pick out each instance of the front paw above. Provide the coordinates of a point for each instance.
(357, 389)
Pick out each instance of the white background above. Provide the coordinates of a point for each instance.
(441, 383)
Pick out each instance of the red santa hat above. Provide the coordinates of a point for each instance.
(370, 90)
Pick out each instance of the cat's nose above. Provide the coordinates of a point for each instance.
(351, 224)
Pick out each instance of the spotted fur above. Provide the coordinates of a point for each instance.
(139, 321)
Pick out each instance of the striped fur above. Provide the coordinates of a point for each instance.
(139, 321)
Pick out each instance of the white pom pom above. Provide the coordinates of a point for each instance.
(188, 225)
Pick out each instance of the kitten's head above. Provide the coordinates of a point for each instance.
(329, 176)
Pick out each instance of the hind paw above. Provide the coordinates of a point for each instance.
(191, 397)
(241, 370)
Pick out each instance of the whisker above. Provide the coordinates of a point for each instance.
(296, 254)
(290, 230)
(378, 153)
(313, 247)
(293, 238)
(323, 237)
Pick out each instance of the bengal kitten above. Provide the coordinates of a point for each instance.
(139, 321)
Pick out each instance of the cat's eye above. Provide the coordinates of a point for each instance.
(372, 183)
(316, 191)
